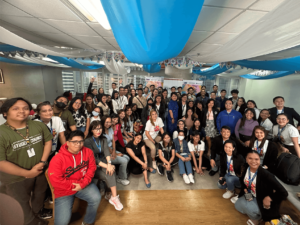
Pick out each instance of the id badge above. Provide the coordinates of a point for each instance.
(31, 152)
(248, 196)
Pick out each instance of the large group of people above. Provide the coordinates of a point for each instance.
(107, 137)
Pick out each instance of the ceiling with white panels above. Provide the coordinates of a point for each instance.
(53, 23)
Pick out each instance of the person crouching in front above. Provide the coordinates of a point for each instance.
(71, 172)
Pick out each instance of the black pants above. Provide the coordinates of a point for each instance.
(120, 148)
(167, 155)
(139, 111)
(28, 192)
(134, 167)
(205, 161)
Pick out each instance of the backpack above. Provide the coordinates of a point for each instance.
(288, 169)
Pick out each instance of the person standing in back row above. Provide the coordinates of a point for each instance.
(280, 108)
(235, 97)
(140, 101)
(113, 88)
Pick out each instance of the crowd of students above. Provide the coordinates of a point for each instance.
(107, 137)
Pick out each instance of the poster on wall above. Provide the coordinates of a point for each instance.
(1, 77)
(169, 82)
(157, 81)
(195, 84)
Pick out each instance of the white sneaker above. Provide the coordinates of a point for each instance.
(191, 178)
(228, 194)
(115, 201)
(154, 165)
(234, 199)
(123, 181)
(186, 179)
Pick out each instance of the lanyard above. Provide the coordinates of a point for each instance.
(258, 149)
(98, 145)
(228, 164)
(281, 111)
(280, 131)
(262, 122)
(27, 133)
(250, 179)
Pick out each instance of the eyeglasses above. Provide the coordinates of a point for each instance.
(77, 142)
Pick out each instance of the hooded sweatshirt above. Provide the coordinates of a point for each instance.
(66, 168)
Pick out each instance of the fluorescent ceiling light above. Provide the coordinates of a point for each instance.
(49, 60)
(93, 11)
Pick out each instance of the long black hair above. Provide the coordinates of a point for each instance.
(162, 139)
(113, 95)
(243, 120)
(93, 126)
(81, 110)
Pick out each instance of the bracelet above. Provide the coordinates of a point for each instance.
(45, 162)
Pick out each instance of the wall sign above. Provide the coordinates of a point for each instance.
(1, 77)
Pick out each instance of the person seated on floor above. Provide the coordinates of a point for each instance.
(267, 150)
(71, 172)
(197, 148)
(24, 149)
(287, 134)
(261, 194)
(112, 132)
(180, 126)
(166, 156)
(184, 155)
(218, 146)
(139, 161)
(97, 142)
(231, 165)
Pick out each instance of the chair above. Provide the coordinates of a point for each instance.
(52, 192)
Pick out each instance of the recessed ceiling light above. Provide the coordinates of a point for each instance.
(93, 11)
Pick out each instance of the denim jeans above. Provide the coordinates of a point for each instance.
(217, 160)
(231, 182)
(250, 208)
(81, 128)
(185, 167)
(123, 161)
(63, 205)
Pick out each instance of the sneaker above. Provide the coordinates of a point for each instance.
(154, 165)
(107, 196)
(169, 176)
(115, 201)
(84, 223)
(50, 200)
(123, 181)
(212, 173)
(45, 213)
(160, 170)
(234, 199)
(186, 179)
(191, 178)
(228, 194)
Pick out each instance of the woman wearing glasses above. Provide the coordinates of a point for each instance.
(97, 142)
(80, 115)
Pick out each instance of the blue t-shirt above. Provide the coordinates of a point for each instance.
(109, 137)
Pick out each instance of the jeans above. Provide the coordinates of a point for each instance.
(231, 182)
(217, 160)
(63, 205)
(250, 208)
(123, 161)
(81, 128)
(185, 165)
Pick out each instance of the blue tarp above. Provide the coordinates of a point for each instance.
(13, 61)
(214, 70)
(73, 63)
(150, 31)
(152, 68)
(272, 76)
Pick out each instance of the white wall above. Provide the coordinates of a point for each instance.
(263, 91)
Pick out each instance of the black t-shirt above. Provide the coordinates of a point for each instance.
(168, 148)
(137, 149)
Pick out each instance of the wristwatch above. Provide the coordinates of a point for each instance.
(109, 162)
(45, 162)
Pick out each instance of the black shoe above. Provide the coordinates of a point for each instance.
(172, 170)
(160, 170)
(212, 173)
(169, 176)
(45, 213)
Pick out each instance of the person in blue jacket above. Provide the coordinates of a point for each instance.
(173, 113)
(228, 117)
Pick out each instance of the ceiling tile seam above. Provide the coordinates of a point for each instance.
(237, 8)
(42, 20)
(223, 25)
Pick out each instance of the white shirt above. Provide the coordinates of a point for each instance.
(231, 169)
(263, 151)
(110, 91)
(287, 134)
(57, 127)
(115, 105)
(2, 120)
(153, 130)
(253, 185)
(198, 147)
(184, 109)
(122, 101)
(95, 119)
(268, 125)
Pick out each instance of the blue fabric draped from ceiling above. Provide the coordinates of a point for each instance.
(214, 70)
(13, 61)
(272, 76)
(62, 60)
(152, 31)
(73, 63)
(152, 68)
(289, 64)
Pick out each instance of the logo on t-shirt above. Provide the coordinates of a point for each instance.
(253, 189)
(17, 145)
(156, 128)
